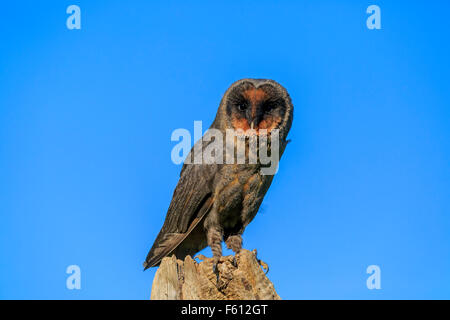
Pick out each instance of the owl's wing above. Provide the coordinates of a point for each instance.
(191, 200)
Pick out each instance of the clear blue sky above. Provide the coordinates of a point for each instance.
(86, 118)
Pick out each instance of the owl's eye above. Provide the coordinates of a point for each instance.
(242, 106)
(268, 107)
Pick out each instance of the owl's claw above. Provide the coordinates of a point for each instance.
(234, 262)
(264, 265)
(215, 270)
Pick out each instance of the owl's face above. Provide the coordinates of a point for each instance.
(257, 104)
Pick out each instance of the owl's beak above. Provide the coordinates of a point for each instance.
(253, 118)
(254, 121)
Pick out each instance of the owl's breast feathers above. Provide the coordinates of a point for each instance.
(238, 195)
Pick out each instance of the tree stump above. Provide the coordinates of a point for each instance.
(192, 280)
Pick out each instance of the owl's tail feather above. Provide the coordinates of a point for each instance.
(165, 244)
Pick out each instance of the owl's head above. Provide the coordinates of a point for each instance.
(258, 104)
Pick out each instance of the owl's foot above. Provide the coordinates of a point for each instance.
(264, 265)
(214, 237)
(215, 269)
(234, 243)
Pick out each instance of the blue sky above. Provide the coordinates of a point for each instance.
(86, 118)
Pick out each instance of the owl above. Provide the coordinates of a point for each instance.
(215, 202)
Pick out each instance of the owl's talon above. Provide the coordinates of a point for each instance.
(234, 262)
(264, 265)
(215, 270)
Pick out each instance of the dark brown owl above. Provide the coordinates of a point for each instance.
(215, 202)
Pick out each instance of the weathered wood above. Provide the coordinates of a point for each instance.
(192, 280)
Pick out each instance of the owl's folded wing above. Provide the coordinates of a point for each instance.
(191, 200)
